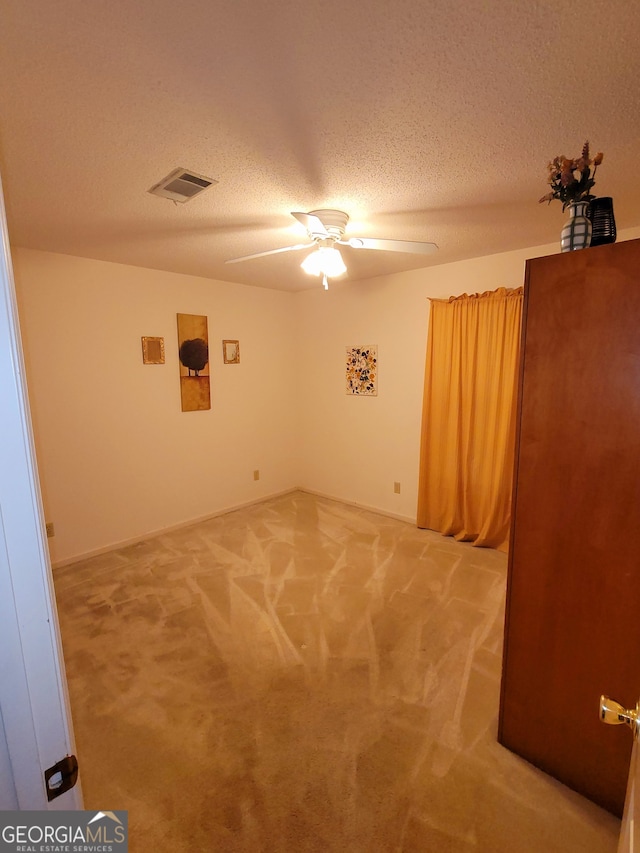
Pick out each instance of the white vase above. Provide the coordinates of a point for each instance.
(576, 232)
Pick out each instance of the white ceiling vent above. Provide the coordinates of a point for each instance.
(181, 185)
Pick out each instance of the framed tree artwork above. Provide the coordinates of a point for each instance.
(193, 353)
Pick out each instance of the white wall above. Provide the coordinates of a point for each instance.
(355, 448)
(119, 460)
(117, 456)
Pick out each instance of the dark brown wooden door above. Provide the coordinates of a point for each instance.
(573, 595)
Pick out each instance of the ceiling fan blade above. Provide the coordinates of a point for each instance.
(271, 252)
(408, 246)
(311, 223)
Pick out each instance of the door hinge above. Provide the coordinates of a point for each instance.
(61, 777)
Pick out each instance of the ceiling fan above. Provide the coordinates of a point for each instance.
(326, 229)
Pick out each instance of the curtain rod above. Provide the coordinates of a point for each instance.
(500, 293)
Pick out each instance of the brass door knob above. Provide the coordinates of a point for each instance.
(612, 713)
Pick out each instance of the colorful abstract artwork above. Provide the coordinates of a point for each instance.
(362, 370)
(193, 351)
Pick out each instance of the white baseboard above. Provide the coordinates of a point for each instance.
(68, 561)
(377, 510)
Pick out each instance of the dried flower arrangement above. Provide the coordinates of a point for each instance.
(572, 180)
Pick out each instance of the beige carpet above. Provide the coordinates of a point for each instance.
(304, 676)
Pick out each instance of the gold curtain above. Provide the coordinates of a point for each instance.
(468, 421)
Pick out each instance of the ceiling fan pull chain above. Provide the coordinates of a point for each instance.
(325, 281)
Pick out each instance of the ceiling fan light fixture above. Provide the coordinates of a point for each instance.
(324, 261)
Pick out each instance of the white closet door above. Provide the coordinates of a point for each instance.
(35, 722)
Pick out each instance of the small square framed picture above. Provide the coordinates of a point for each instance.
(231, 352)
(153, 350)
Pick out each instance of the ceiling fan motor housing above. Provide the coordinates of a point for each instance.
(334, 221)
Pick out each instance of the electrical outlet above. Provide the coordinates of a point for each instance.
(256, 475)
(396, 488)
(49, 528)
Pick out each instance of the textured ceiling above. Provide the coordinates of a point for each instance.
(423, 120)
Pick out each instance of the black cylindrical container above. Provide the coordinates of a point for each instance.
(603, 224)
